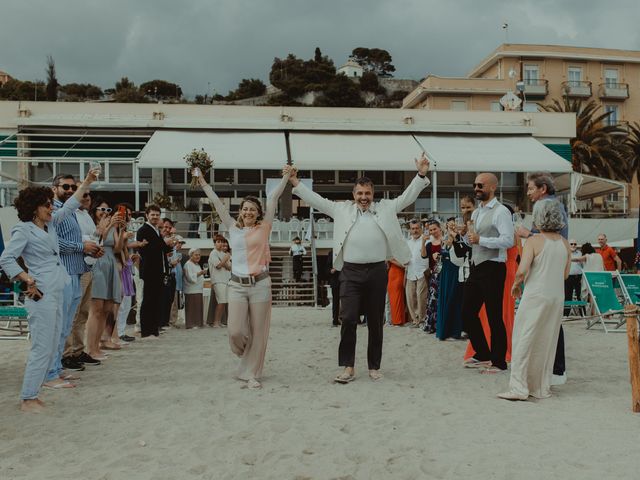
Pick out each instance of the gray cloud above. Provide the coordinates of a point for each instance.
(196, 42)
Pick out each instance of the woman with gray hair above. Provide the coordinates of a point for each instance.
(544, 266)
(193, 284)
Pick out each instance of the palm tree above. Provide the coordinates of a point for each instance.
(633, 144)
(599, 148)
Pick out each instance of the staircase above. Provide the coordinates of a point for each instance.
(285, 291)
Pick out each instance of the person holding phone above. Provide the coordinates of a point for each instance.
(35, 239)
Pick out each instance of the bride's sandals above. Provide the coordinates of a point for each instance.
(253, 384)
(375, 375)
(344, 378)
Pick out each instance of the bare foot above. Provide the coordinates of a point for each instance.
(32, 406)
(69, 376)
(58, 384)
(111, 346)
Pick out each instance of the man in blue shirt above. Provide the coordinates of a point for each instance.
(72, 252)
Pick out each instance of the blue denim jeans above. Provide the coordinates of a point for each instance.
(45, 323)
(72, 294)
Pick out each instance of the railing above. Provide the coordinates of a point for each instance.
(536, 86)
(577, 88)
(614, 90)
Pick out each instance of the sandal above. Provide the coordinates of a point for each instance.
(253, 384)
(492, 370)
(375, 375)
(344, 378)
(58, 385)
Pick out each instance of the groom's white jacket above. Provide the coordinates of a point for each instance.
(385, 212)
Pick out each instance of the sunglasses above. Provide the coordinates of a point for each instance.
(104, 209)
(478, 185)
(573, 244)
(66, 187)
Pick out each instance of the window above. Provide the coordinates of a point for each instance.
(393, 178)
(70, 169)
(575, 76)
(458, 105)
(496, 107)
(376, 177)
(509, 179)
(270, 174)
(613, 197)
(120, 173)
(611, 77)
(324, 177)
(249, 176)
(41, 172)
(224, 175)
(531, 74)
(347, 176)
(612, 119)
(466, 179)
(446, 178)
(176, 175)
(145, 175)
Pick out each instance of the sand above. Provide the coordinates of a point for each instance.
(170, 409)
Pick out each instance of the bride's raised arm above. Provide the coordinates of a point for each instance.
(222, 211)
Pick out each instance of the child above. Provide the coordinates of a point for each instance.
(297, 251)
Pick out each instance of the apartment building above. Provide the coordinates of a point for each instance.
(608, 76)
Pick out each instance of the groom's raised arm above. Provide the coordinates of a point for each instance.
(309, 196)
(419, 183)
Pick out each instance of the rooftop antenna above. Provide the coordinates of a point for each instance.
(505, 27)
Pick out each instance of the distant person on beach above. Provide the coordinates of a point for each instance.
(297, 252)
(365, 235)
(249, 292)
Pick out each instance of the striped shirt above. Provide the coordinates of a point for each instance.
(70, 243)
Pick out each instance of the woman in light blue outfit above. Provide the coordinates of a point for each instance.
(36, 241)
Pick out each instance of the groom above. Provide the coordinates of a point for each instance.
(365, 235)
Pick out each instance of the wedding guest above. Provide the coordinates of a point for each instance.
(431, 250)
(417, 272)
(35, 239)
(106, 286)
(395, 292)
(193, 283)
(220, 274)
(249, 291)
(610, 257)
(297, 252)
(573, 283)
(543, 268)
(449, 316)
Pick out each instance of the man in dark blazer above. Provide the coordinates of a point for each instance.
(154, 271)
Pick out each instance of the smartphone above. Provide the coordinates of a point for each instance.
(122, 210)
(37, 299)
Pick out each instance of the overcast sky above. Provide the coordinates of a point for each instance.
(218, 42)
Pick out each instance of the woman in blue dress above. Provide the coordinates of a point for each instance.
(35, 239)
(449, 317)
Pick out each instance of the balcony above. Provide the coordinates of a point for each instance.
(579, 89)
(616, 91)
(534, 87)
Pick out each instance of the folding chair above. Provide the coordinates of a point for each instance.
(630, 286)
(605, 302)
(13, 316)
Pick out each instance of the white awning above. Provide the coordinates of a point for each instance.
(244, 150)
(452, 153)
(500, 153)
(330, 151)
(588, 186)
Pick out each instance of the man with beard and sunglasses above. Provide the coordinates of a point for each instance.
(72, 252)
(490, 237)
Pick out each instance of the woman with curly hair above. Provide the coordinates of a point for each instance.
(544, 266)
(249, 292)
(35, 239)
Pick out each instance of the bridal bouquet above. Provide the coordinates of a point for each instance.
(199, 163)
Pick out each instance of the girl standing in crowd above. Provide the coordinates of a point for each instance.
(220, 274)
(193, 284)
(545, 263)
(106, 287)
(35, 239)
(250, 285)
(431, 250)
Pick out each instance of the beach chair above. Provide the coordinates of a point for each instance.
(630, 285)
(13, 316)
(606, 307)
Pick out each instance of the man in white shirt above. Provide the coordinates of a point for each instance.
(492, 235)
(416, 286)
(365, 235)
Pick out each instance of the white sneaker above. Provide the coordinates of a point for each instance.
(559, 379)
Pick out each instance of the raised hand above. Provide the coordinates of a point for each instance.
(292, 172)
(422, 164)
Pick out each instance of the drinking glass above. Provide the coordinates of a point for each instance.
(95, 165)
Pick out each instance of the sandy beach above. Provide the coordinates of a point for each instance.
(170, 409)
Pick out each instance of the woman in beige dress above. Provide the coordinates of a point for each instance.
(544, 266)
